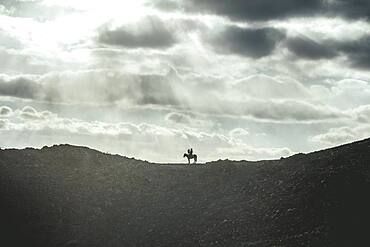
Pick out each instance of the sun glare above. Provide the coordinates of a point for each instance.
(66, 32)
(123, 10)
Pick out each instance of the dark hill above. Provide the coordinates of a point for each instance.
(74, 196)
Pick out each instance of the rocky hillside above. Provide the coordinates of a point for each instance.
(74, 196)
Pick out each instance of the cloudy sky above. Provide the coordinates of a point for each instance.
(238, 79)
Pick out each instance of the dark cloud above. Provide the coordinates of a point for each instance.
(350, 8)
(108, 88)
(255, 43)
(190, 119)
(20, 88)
(167, 5)
(256, 10)
(310, 49)
(5, 111)
(357, 51)
(176, 117)
(264, 10)
(150, 33)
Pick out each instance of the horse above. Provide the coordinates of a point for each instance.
(191, 156)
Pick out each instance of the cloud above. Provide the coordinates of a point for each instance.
(352, 9)
(335, 136)
(151, 32)
(257, 97)
(267, 10)
(248, 42)
(289, 110)
(167, 5)
(261, 10)
(242, 151)
(266, 87)
(238, 132)
(362, 114)
(155, 89)
(108, 87)
(5, 111)
(19, 87)
(176, 117)
(190, 120)
(19, 61)
(358, 51)
(3, 124)
(9, 41)
(358, 128)
(342, 135)
(3, 10)
(31, 113)
(347, 94)
(34, 9)
(307, 48)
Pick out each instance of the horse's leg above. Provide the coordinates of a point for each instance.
(188, 160)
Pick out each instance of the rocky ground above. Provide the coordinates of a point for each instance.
(74, 196)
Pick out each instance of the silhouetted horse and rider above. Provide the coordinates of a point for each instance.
(190, 156)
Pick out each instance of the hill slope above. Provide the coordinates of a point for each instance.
(74, 196)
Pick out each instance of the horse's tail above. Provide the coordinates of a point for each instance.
(195, 157)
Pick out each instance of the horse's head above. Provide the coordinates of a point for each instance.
(184, 155)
